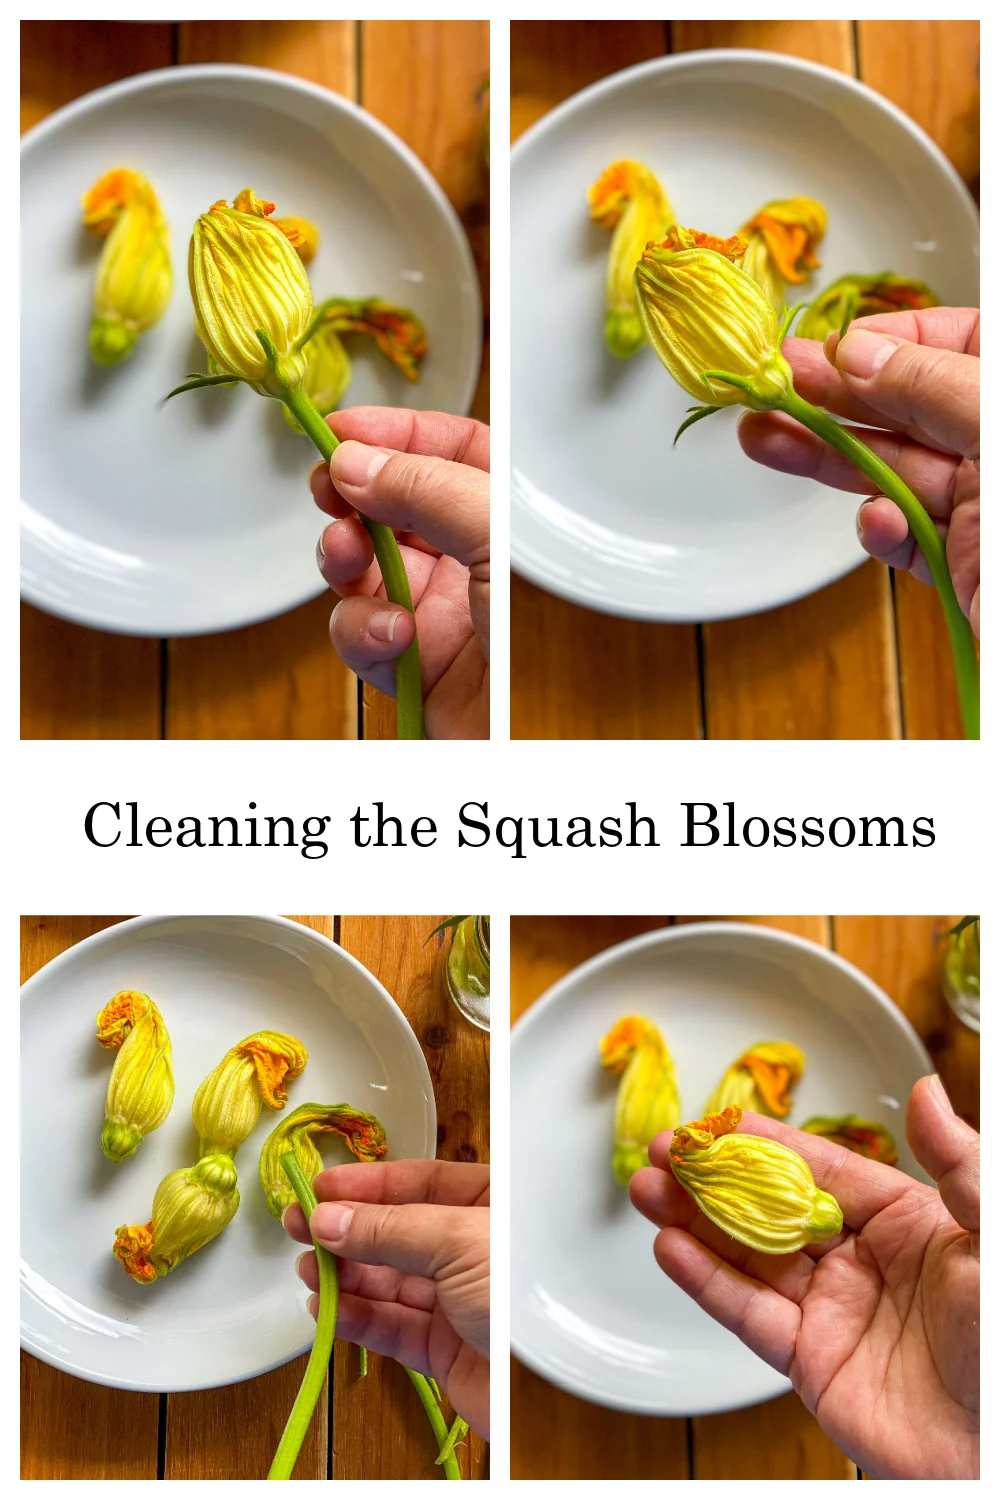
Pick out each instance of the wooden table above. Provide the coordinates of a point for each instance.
(279, 679)
(865, 658)
(364, 1429)
(557, 1436)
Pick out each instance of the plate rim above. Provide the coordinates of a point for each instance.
(523, 562)
(135, 83)
(768, 936)
(284, 924)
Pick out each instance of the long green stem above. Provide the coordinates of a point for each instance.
(409, 693)
(456, 1433)
(319, 1359)
(438, 1424)
(925, 533)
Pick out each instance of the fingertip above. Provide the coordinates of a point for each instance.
(659, 1150)
(366, 631)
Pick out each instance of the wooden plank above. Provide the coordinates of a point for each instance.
(76, 683)
(280, 679)
(71, 1429)
(233, 1432)
(424, 79)
(821, 668)
(805, 671)
(560, 653)
(930, 69)
(380, 1430)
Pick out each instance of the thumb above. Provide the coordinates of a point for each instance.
(946, 1148)
(419, 1239)
(445, 503)
(934, 393)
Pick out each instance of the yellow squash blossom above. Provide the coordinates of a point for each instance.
(298, 1131)
(398, 333)
(781, 244)
(648, 1101)
(190, 1207)
(863, 1137)
(245, 276)
(852, 297)
(141, 1087)
(756, 1190)
(228, 1103)
(303, 235)
(627, 199)
(134, 280)
(705, 317)
(762, 1079)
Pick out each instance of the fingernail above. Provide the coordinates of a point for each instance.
(356, 464)
(857, 523)
(298, 1263)
(382, 625)
(862, 354)
(320, 554)
(937, 1088)
(284, 1216)
(330, 1221)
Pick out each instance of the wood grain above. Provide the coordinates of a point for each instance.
(550, 60)
(380, 1430)
(827, 42)
(76, 683)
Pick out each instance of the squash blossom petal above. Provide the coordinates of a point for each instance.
(702, 312)
(398, 334)
(852, 297)
(134, 281)
(863, 1137)
(648, 1101)
(190, 1207)
(627, 199)
(228, 1103)
(141, 1087)
(781, 244)
(758, 1191)
(303, 235)
(298, 1131)
(244, 276)
(762, 1079)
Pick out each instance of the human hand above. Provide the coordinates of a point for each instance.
(426, 474)
(412, 1241)
(913, 376)
(878, 1329)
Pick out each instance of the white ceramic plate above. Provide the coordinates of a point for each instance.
(197, 516)
(236, 1308)
(604, 510)
(590, 1309)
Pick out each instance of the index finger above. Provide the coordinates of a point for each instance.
(862, 1188)
(437, 434)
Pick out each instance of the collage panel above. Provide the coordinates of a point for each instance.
(750, 1272)
(700, 212)
(243, 1066)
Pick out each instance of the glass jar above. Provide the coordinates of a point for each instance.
(467, 970)
(960, 970)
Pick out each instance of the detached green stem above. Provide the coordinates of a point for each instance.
(437, 1421)
(319, 1359)
(409, 693)
(925, 533)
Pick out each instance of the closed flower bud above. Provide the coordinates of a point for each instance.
(853, 297)
(648, 1101)
(781, 244)
(253, 1073)
(298, 1132)
(141, 1087)
(761, 1080)
(134, 280)
(627, 199)
(190, 1207)
(244, 276)
(704, 315)
(863, 1137)
(756, 1190)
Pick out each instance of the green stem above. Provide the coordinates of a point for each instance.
(438, 1424)
(456, 1433)
(409, 692)
(319, 1359)
(925, 533)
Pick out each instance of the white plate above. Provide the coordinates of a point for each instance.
(197, 516)
(236, 1308)
(604, 510)
(590, 1309)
